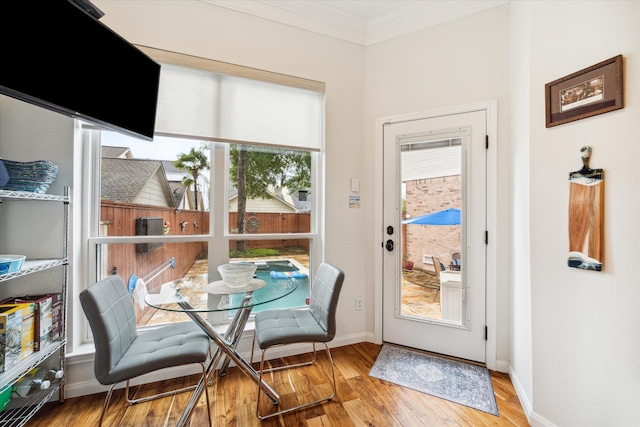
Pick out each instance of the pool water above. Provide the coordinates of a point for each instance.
(297, 298)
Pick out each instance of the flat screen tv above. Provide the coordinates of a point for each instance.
(60, 57)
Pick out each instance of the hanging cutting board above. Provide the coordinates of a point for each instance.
(586, 215)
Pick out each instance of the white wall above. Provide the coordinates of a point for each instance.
(585, 324)
(520, 334)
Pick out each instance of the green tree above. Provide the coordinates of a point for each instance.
(253, 170)
(193, 162)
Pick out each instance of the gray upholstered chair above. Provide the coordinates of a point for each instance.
(313, 324)
(123, 353)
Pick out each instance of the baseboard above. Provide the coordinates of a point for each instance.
(534, 419)
(502, 366)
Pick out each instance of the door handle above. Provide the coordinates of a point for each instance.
(389, 245)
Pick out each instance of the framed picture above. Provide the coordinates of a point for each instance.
(585, 93)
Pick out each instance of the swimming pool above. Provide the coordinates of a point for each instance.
(297, 298)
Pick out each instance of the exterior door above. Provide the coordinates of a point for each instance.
(434, 278)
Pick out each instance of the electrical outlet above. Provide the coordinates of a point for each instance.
(359, 303)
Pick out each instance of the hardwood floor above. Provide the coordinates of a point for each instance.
(361, 401)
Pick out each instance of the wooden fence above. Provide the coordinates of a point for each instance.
(272, 222)
(120, 220)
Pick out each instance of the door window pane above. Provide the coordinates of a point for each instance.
(431, 230)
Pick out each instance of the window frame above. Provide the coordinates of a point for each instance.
(219, 236)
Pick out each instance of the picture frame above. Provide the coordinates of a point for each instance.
(594, 90)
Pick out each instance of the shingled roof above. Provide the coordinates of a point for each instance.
(124, 179)
(117, 152)
(170, 169)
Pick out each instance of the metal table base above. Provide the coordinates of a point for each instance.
(226, 347)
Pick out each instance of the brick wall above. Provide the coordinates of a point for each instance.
(425, 196)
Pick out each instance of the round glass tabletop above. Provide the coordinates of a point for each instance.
(199, 296)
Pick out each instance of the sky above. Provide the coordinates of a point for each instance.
(161, 148)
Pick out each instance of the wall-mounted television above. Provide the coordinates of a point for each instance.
(60, 57)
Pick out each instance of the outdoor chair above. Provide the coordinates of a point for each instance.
(123, 353)
(455, 262)
(438, 267)
(313, 324)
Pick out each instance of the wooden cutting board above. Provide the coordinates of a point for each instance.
(586, 216)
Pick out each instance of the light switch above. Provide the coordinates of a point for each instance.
(355, 185)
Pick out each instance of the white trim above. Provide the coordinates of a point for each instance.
(350, 22)
(491, 108)
(522, 397)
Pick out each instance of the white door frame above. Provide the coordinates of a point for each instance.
(491, 108)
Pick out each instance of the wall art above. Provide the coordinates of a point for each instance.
(585, 93)
(586, 215)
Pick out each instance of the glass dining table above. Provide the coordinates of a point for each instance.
(198, 298)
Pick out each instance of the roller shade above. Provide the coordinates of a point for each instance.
(213, 106)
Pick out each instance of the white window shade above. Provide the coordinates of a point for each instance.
(431, 163)
(186, 104)
(202, 104)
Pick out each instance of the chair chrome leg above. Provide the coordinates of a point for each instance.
(296, 365)
(206, 393)
(304, 405)
(156, 396)
(253, 344)
(202, 385)
(131, 401)
(106, 403)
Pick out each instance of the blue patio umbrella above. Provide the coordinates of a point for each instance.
(449, 216)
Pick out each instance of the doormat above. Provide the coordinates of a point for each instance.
(458, 382)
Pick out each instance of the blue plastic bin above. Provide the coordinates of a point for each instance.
(11, 263)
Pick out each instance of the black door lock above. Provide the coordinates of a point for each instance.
(389, 245)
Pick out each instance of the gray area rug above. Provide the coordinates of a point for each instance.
(459, 382)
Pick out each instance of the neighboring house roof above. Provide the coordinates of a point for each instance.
(170, 169)
(288, 201)
(127, 180)
(293, 199)
(117, 152)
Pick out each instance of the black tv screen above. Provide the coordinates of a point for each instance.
(60, 57)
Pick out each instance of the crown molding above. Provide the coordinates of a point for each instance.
(322, 24)
(322, 18)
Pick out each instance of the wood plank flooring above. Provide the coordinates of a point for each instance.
(361, 401)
